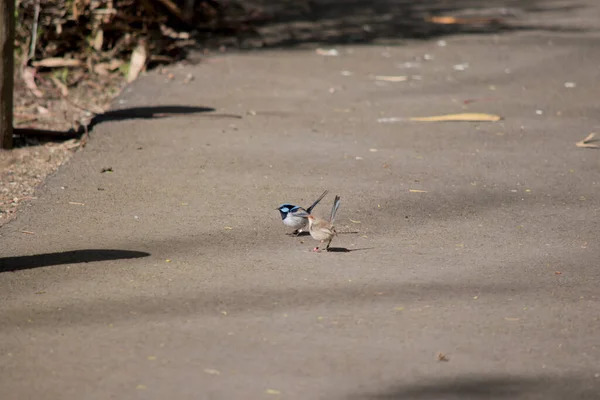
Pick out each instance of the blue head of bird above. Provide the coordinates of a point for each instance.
(284, 209)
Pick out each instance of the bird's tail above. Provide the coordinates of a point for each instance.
(336, 205)
(309, 209)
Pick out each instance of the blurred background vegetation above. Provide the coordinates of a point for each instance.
(74, 56)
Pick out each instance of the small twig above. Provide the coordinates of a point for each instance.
(586, 143)
(174, 9)
(36, 16)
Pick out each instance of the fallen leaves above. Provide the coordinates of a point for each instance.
(139, 57)
(417, 191)
(450, 20)
(28, 75)
(106, 67)
(466, 117)
(61, 86)
(442, 357)
(587, 142)
(56, 62)
(211, 371)
(327, 52)
(384, 78)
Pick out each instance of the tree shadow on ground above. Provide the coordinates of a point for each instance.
(257, 299)
(492, 388)
(11, 264)
(290, 23)
(166, 111)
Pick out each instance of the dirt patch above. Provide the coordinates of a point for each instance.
(34, 158)
(23, 169)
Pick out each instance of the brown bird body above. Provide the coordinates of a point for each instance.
(321, 229)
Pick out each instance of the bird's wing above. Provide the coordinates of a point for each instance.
(299, 212)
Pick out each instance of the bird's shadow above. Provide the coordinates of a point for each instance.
(346, 250)
(301, 234)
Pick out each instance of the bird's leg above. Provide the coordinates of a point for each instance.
(316, 249)
(296, 232)
(328, 243)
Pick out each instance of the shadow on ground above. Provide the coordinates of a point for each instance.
(251, 300)
(166, 111)
(9, 264)
(492, 388)
(289, 23)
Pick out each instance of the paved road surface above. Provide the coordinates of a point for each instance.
(172, 276)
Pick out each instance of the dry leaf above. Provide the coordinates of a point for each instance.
(76, 203)
(390, 120)
(104, 68)
(327, 52)
(211, 371)
(459, 117)
(61, 86)
(586, 142)
(28, 76)
(98, 40)
(272, 391)
(42, 110)
(448, 20)
(169, 32)
(417, 191)
(390, 78)
(353, 221)
(57, 62)
(139, 56)
(511, 319)
(442, 357)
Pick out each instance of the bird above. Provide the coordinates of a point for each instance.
(321, 229)
(295, 216)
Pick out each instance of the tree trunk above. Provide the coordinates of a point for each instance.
(7, 62)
